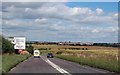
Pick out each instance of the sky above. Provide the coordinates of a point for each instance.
(61, 21)
(60, 0)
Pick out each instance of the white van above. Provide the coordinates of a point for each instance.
(36, 54)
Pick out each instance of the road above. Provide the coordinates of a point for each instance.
(53, 65)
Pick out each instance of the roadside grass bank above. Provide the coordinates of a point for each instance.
(0, 63)
(104, 59)
(11, 60)
(96, 63)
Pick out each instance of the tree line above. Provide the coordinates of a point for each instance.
(107, 44)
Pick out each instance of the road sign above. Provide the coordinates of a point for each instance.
(20, 42)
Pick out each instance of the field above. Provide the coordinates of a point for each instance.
(11, 60)
(95, 56)
(62, 47)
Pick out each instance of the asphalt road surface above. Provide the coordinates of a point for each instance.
(53, 65)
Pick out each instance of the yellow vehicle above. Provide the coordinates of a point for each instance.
(36, 54)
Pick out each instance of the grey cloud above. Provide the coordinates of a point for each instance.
(56, 21)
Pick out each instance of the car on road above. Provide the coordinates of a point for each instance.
(49, 55)
(36, 54)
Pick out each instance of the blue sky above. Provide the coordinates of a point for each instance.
(67, 21)
(93, 0)
(106, 6)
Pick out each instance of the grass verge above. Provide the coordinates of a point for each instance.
(11, 60)
(97, 63)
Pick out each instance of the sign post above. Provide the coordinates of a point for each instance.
(20, 43)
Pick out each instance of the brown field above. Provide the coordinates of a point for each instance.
(110, 52)
(55, 47)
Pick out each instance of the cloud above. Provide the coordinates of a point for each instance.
(56, 21)
(99, 11)
(58, 11)
(43, 20)
(34, 1)
(95, 31)
(50, 10)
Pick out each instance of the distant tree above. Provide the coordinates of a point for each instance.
(106, 44)
(30, 48)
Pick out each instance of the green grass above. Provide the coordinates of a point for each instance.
(11, 60)
(0, 63)
(97, 63)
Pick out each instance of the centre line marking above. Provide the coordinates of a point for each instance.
(56, 67)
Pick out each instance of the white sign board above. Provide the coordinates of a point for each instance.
(20, 42)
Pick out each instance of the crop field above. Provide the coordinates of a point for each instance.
(62, 47)
(95, 56)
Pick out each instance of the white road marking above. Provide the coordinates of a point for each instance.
(56, 67)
